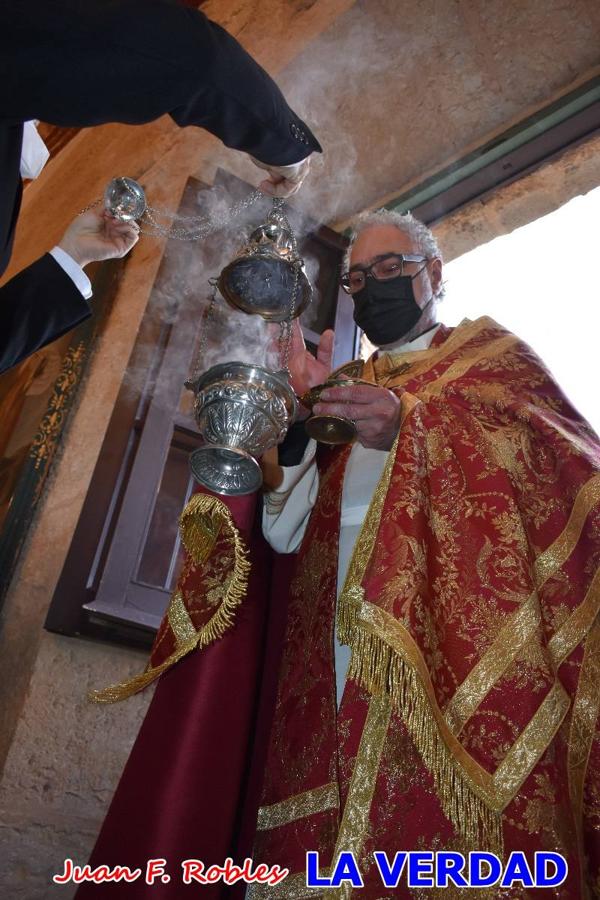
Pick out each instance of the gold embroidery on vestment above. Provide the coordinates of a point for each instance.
(523, 624)
(298, 807)
(179, 620)
(573, 631)
(519, 629)
(385, 657)
(373, 666)
(355, 819)
(531, 743)
(584, 718)
(380, 369)
(559, 551)
(404, 674)
(459, 368)
(200, 524)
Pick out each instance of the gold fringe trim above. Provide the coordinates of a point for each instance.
(200, 524)
(379, 669)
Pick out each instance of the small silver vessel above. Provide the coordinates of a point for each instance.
(125, 199)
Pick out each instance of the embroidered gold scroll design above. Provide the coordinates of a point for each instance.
(201, 523)
(584, 718)
(298, 807)
(422, 360)
(560, 550)
(381, 665)
(355, 819)
(519, 629)
(573, 631)
(179, 620)
(524, 622)
(530, 745)
(495, 790)
(46, 440)
(461, 366)
(382, 668)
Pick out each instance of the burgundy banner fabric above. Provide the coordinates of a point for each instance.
(191, 786)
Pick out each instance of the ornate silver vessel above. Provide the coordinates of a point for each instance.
(267, 276)
(125, 199)
(241, 410)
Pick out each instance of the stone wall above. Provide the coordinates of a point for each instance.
(574, 172)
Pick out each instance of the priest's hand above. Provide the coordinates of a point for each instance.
(307, 371)
(374, 410)
(96, 235)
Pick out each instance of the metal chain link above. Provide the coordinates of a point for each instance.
(205, 328)
(89, 206)
(285, 334)
(199, 227)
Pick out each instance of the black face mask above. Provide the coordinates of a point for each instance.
(387, 310)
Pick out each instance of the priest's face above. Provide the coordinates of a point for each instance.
(378, 240)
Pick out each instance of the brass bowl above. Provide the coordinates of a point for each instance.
(330, 429)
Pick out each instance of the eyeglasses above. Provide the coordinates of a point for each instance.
(384, 268)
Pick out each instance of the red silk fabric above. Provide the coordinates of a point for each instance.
(191, 785)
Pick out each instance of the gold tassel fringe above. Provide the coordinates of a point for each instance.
(200, 524)
(379, 669)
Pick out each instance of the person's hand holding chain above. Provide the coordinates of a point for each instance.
(95, 235)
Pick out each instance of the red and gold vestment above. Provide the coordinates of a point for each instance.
(470, 715)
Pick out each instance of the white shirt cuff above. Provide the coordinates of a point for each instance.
(293, 474)
(74, 271)
(286, 511)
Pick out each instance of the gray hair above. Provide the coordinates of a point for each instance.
(422, 236)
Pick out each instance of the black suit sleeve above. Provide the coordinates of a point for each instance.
(37, 306)
(75, 63)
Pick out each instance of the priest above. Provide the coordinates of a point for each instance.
(439, 683)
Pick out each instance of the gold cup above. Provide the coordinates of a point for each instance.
(330, 429)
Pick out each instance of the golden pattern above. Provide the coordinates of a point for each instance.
(531, 744)
(556, 555)
(424, 360)
(201, 523)
(521, 628)
(298, 807)
(45, 441)
(471, 582)
(482, 677)
(461, 366)
(355, 820)
(179, 620)
(572, 632)
(384, 655)
(584, 718)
